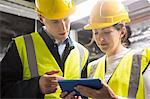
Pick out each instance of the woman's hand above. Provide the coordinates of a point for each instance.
(103, 93)
(66, 95)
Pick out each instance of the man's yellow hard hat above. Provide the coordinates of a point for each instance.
(55, 9)
(107, 13)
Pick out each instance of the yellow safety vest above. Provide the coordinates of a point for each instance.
(46, 62)
(127, 79)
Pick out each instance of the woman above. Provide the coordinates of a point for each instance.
(120, 68)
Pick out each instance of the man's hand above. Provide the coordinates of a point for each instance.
(48, 82)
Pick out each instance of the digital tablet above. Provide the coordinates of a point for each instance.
(68, 85)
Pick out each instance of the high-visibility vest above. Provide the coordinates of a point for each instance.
(46, 62)
(127, 79)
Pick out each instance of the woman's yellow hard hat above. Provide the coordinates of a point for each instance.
(107, 13)
(55, 9)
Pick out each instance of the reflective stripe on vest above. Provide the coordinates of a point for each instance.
(32, 63)
(81, 51)
(135, 76)
(92, 70)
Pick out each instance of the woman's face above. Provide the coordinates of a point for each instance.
(108, 39)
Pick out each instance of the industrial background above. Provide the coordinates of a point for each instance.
(17, 17)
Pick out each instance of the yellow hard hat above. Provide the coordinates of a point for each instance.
(55, 9)
(107, 13)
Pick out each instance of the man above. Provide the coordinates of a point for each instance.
(34, 63)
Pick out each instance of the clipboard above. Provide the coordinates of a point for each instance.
(68, 85)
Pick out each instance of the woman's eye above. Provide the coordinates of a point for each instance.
(96, 33)
(55, 21)
(106, 32)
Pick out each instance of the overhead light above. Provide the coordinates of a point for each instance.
(83, 10)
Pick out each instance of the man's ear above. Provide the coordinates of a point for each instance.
(40, 18)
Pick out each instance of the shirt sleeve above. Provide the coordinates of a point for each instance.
(12, 83)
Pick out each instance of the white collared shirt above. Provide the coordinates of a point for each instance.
(61, 48)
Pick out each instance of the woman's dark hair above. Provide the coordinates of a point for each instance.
(129, 32)
(125, 38)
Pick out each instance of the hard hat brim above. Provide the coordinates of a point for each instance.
(96, 26)
(102, 25)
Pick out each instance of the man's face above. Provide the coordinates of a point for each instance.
(59, 29)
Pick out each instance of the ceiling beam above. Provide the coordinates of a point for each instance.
(18, 9)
